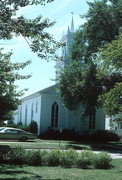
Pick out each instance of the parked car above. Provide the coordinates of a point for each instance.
(15, 134)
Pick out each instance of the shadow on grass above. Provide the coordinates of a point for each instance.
(96, 146)
(25, 178)
(8, 171)
(77, 147)
(11, 170)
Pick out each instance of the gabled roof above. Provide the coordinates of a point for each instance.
(38, 93)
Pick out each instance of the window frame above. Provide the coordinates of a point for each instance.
(54, 115)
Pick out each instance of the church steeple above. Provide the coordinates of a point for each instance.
(72, 23)
(67, 39)
(68, 31)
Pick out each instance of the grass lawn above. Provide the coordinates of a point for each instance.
(11, 172)
(57, 144)
(45, 144)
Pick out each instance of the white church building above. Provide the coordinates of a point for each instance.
(47, 109)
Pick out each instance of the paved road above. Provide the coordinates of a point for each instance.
(114, 155)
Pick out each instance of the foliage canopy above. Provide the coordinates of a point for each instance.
(95, 75)
(34, 31)
(8, 75)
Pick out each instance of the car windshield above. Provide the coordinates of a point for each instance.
(13, 131)
(1, 129)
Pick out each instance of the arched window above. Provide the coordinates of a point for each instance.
(92, 118)
(54, 115)
(26, 113)
(32, 112)
(36, 107)
(20, 114)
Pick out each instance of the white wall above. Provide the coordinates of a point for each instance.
(15, 117)
(107, 123)
(28, 102)
(118, 132)
(47, 102)
(100, 119)
(67, 119)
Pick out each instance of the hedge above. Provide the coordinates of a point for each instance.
(67, 159)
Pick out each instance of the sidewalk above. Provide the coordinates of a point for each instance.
(113, 155)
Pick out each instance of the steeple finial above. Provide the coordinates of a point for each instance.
(72, 23)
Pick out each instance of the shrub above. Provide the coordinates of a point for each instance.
(53, 158)
(69, 158)
(51, 134)
(64, 135)
(21, 156)
(85, 160)
(70, 135)
(18, 156)
(102, 161)
(105, 136)
(33, 127)
(35, 158)
(2, 159)
(4, 151)
(23, 127)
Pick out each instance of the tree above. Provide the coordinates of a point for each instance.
(103, 22)
(81, 83)
(78, 84)
(33, 127)
(110, 57)
(32, 30)
(112, 100)
(8, 75)
(109, 63)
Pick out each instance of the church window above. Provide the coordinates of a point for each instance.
(36, 107)
(54, 115)
(120, 125)
(92, 118)
(20, 114)
(26, 111)
(32, 112)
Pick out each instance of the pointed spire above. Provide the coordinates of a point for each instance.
(68, 31)
(72, 23)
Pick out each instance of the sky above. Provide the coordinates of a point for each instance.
(43, 72)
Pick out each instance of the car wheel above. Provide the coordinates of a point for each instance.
(23, 138)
